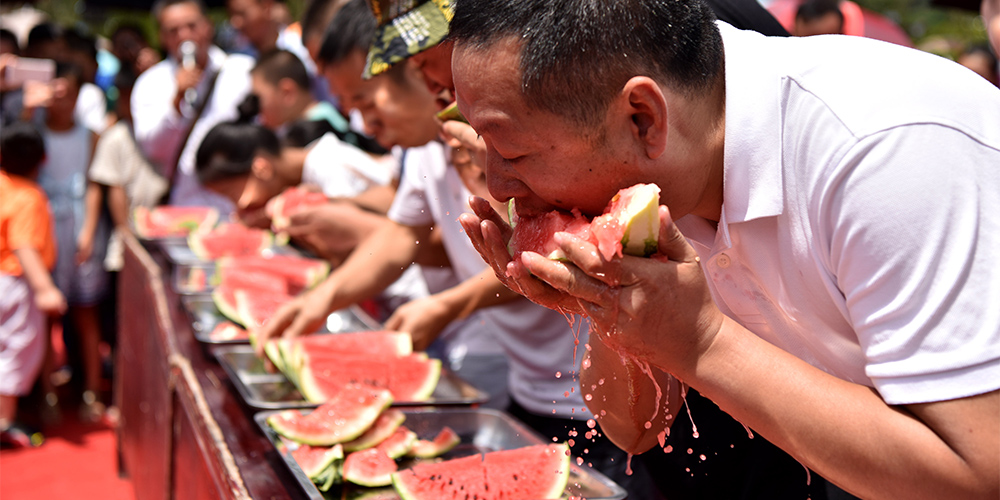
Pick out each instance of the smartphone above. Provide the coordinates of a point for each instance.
(26, 69)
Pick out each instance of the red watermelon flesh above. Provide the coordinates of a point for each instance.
(370, 467)
(167, 220)
(377, 343)
(300, 272)
(411, 378)
(343, 418)
(228, 239)
(226, 331)
(313, 460)
(382, 429)
(445, 440)
(399, 443)
(533, 472)
(630, 224)
(293, 199)
(255, 308)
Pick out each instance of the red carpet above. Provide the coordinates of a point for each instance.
(76, 461)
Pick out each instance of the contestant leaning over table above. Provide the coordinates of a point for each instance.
(167, 97)
(838, 198)
(538, 343)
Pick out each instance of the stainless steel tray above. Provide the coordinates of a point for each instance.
(186, 283)
(481, 430)
(178, 251)
(205, 315)
(272, 391)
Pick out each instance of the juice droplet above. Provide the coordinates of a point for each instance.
(702, 456)
(668, 449)
(588, 397)
(566, 394)
(661, 438)
(591, 423)
(600, 382)
(690, 451)
(558, 374)
(571, 442)
(579, 461)
(648, 425)
(628, 465)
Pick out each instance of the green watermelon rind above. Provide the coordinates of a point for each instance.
(199, 250)
(561, 478)
(378, 432)
(333, 454)
(140, 216)
(430, 383)
(359, 478)
(641, 220)
(363, 421)
(229, 310)
(273, 351)
(405, 444)
(423, 448)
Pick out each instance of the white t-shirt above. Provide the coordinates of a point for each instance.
(861, 223)
(91, 109)
(538, 342)
(159, 128)
(341, 169)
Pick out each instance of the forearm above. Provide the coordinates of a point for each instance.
(92, 212)
(844, 431)
(377, 199)
(477, 292)
(118, 206)
(376, 262)
(35, 272)
(626, 395)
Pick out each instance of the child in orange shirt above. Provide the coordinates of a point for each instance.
(27, 292)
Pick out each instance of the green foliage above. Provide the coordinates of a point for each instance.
(944, 31)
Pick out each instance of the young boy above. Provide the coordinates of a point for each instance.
(27, 292)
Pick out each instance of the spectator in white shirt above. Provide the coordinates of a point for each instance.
(175, 104)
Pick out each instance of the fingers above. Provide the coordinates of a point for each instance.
(671, 243)
(485, 211)
(274, 326)
(565, 277)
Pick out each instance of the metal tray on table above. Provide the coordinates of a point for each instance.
(205, 315)
(189, 279)
(178, 252)
(272, 391)
(481, 430)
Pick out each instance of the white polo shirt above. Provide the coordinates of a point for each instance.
(340, 169)
(538, 342)
(861, 224)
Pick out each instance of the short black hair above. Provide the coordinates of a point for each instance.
(22, 149)
(42, 33)
(280, 64)
(352, 29)
(78, 40)
(160, 5)
(302, 133)
(229, 148)
(812, 10)
(66, 69)
(577, 54)
(317, 15)
(9, 36)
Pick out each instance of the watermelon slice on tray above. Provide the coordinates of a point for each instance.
(384, 427)
(343, 418)
(226, 331)
(167, 221)
(228, 239)
(410, 378)
(300, 272)
(255, 308)
(445, 440)
(532, 472)
(630, 224)
(282, 207)
(370, 467)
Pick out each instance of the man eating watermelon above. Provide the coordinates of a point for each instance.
(825, 271)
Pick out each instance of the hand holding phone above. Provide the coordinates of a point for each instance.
(19, 70)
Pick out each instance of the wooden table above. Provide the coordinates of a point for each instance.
(184, 432)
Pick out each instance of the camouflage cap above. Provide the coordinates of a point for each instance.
(405, 28)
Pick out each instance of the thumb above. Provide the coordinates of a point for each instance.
(671, 243)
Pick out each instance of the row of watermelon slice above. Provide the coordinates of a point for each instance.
(321, 366)
(356, 438)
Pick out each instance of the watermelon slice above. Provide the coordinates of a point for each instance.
(630, 224)
(227, 331)
(399, 443)
(255, 308)
(445, 440)
(342, 419)
(410, 378)
(370, 467)
(281, 207)
(535, 472)
(377, 343)
(300, 272)
(228, 239)
(253, 283)
(384, 427)
(172, 221)
(451, 113)
(314, 460)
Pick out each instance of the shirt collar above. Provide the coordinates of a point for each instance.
(753, 183)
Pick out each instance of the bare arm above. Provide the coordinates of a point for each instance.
(48, 298)
(377, 199)
(93, 200)
(118, 206)
(378, 261)
(426, 318)
(844, 431)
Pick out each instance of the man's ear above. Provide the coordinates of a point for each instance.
(644, 102)
(287, 87)
(262, 168)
